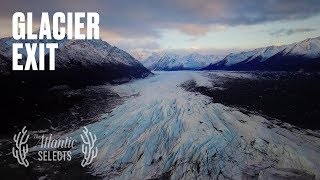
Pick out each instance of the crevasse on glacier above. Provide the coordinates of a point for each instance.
(166, 131)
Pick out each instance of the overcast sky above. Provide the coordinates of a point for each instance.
(205, 26)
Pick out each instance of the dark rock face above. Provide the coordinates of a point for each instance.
(291, 97)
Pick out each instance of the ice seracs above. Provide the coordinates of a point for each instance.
(167, 132)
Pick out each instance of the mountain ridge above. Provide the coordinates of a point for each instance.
(296, 56)
(85, 61)
(171, 61)
(302, 55)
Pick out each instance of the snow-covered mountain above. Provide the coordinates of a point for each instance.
(170, 61)
(301, 55)
(81, 60)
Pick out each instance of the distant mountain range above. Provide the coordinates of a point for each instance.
(302, 55)
(84, 61)
(89, 61)
(171, 62)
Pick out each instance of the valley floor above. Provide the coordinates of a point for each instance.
(171, 125)
(164, 131)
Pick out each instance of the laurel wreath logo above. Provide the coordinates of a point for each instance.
(21, 149)
(88, 149)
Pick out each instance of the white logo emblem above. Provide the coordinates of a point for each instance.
(21, 149)
(88, 149)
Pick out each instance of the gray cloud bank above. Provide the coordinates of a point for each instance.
(136, 25)
(288, 32)
(145, 17)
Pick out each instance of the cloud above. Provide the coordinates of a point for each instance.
(204, 51)
(198, 29)
(109, 36)
(137, 47)
(143, 18)
(137, 43)
(126, 21)
(194, 30)
(288, 32)
(5, 27)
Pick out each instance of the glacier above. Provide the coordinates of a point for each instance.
(164, 131)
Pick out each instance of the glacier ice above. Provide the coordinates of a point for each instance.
(166, 131)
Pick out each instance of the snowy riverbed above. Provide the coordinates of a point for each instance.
(164, 131)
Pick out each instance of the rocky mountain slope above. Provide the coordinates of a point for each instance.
(78, 60)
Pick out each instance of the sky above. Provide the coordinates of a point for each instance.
(218, 27)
